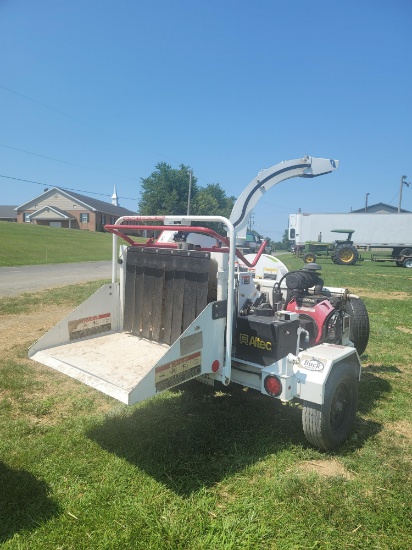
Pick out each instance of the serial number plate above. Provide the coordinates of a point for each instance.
(178, 371)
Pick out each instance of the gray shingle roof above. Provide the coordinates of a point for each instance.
(101, 206)
(93, 204)
(8, 212)
(381, 205)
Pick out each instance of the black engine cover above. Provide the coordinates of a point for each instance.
(264, 340)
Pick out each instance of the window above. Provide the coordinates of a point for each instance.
(103, 221)
(84, 218)
(26, 217)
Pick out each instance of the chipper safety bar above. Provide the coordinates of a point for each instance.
(173, 313)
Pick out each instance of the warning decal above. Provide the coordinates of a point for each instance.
(178, 371)
(88, 326)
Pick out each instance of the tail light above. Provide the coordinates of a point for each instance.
(273, 385)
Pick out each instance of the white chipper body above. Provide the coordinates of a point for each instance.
(175, 311)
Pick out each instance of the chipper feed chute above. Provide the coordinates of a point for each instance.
(154, 342)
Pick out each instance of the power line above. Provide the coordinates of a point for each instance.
(396, 194)
(96, 128)
(66, 162)
(45, 105)
(65, 188)
(63, 113)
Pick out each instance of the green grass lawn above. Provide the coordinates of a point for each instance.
(203, 468)
(27, 244)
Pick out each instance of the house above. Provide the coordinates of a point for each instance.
(58, 207)
(8, 213)
(379, 208)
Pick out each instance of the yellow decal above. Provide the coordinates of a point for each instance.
(254, 341)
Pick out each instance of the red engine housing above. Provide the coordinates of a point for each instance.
(319, 312)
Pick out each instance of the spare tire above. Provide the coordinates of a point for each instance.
(346, 254)
(359, 323)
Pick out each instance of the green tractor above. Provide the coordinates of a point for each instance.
(342, 252)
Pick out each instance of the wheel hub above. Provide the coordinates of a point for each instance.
(339, 407)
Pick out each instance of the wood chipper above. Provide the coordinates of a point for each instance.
(177, 311)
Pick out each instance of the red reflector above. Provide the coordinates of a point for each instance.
(215, 365)
(273, 386)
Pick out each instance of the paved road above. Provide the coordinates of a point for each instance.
(15, 280)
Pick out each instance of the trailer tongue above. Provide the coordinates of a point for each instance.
(175, 312)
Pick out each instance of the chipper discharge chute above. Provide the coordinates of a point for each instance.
(176, 311)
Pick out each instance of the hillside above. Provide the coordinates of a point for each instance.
(27, 244)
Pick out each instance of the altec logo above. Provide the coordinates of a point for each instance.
(254, 341)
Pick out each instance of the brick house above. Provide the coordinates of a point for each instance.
(60, 208)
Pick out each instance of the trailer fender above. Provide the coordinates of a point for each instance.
(313, 366)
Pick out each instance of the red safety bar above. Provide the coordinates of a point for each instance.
(120, 231)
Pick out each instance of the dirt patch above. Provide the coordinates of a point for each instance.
(398, 435)
(325, 468)
(387, 295)
(54, 395)
(404, 329)
(18, 330)
(403, 428)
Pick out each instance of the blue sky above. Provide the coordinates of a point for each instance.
(95, 94)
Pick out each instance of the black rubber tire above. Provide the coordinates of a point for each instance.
(406, 252)
(407, 262)
(359, 323)
(309, 258)
(328, 426)
(347, 254)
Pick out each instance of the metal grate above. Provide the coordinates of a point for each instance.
(166, 289)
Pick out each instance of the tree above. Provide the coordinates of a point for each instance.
(212, 201)
(285, 240)
(165, 191)
(284, 244)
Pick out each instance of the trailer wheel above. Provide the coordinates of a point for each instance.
(359, 323)
(407, 262)
(346, 255)
(405, 252)
(309, 258)
(327, 426)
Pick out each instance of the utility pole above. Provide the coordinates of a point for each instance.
(403, 182)
(190, 192)
(366, 202)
